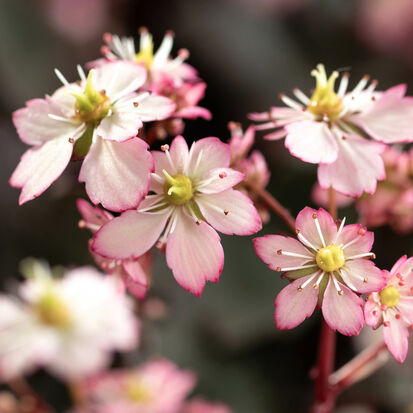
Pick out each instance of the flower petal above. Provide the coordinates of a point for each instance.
(207, 154)
(219, 179)
(155, 108)
(230, 212)
(194, 253)
(35, 126)
(91, 214)
(129, 235)
(117, 175)
(40, 167)
(390, 118)
(118, 78)
(311, 141)
(306, 224)
(372, 313)
(362, 158)
(364, 240)
(268, 246)
(193, 112)
(179, 153)
(363, 275)
(342, 312)
(396, 336)
(292, 306)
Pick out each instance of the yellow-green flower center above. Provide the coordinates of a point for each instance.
(91, 106)
(389, 296)
(136, 391)
(325, 102)
(178, 188)
(145, 55)
(52, 311)
(330, 258)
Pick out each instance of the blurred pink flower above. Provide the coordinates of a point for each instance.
(392, 307)
(58, 324)
(192, 198)
(133, 274)
(201, 406)
(328, 129)
(254, 167)
(328, 266)
(320, 196)
(96, 119)
(392, 203)
(157, 386)
(387, 26)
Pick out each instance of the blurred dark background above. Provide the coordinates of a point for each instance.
(247, 51)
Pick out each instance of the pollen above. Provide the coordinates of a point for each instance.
(52, 311)
(389, 296)
(330, 258)
(178, 188)
(325, 103)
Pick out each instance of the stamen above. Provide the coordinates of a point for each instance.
(361, 85)
(336, 284)
(290, 102)
(351, 242)
(317, 283)
(340, 229)
(320, 234)
(306, 282)
(301, 96)
(305, 241)
(62, 119)
(61, 77)
(299, 267)
(347, 280)
(367, 254)
(81, 73)
(293, 254)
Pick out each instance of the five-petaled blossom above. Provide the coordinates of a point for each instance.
(192, 196)
(96, 119)
(158, 386)
(329, 128)
(64, 325)
(159, 64)
(392, 307)
(329, 266)
(132, 273)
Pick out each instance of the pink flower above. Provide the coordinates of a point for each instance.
(392, 307)
(133, 274)
(158, 64)
(192, 196)
(329, 128)
(253, 167)
(328, 266)
(157, 386)
(96, 119)
(320, 197)
(200, 406)
(60, 325)
(392, 203)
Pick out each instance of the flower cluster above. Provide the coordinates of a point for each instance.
(329, 127)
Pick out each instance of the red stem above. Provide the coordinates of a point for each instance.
(272, 204)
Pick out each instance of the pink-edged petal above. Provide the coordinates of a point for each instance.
(390, 118)
(362, 158)
(193, 112)
(135, 272)
(40, 167)
(372, 313)
(396, 336)
(207, 154)
(230, 212)
(120, 126)
(358, 239)
(179, 154)
(270, 247)
(194, 253)
(277, 135)
(129, 235)
(311, 141)
(92, 215)
(398, 264)
(155, 108)
(117, 175)
(405, 306)
(35, 126)
(219, 179)
(136, 289)
(363, 276)
(342, 312)
(293, 306)
(403, 266)
(307, 226)
(119, 78)
(195, 93)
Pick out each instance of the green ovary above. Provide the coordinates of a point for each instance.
(389, 296)
(330, 258)
(178, 188)
(325, 102)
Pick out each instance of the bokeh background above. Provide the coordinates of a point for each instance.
(248, 51)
